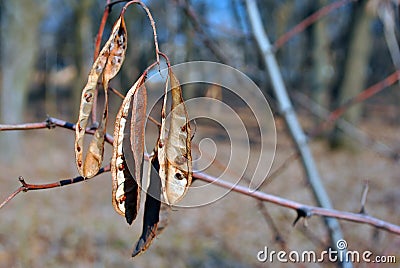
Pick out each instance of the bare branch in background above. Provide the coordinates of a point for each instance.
(99, 35)
(386, 11)
(278, 236)
(348, 128)
(363, 95)
(364, 197)
(208, 42)
(96, 53)
(292, 123)
(309, 21)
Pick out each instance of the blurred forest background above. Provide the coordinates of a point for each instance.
(46, 54)
(47, 50)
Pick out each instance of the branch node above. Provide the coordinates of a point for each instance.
(49, 123)
(302, 212)
(24, 186)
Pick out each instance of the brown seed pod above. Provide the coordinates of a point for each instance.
(126, 187)
(107, 64)
(174, 146)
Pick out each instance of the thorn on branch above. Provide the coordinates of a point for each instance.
(303, 212)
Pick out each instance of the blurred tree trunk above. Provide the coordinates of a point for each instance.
(19, 45)
(190, 50)
(84, 51)
(356, 62)
(320, 57)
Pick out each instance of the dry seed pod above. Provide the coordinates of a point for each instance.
(125, 196)
(116, 51)
(108, 63)
(179, 145)
(175, 148)
(155, 211)
(161, 143)
(126, 188)
(138, 121)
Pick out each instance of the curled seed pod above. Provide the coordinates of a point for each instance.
(175, 146)
(107, 64)
(155, 211)
(126, 187)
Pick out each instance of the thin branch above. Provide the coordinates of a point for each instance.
(271, 223)
(26, 187)
(154, 121)
(207, 41)
(301, 209)
(26, 126)
(278, 171)
(96, 53)
(364, 95)
(116, 92)
(153, 24)
(29, 187)
(99, 35)
(11, 196)
(352, 131)
(119, 94)
(364, 197)
(50, 123)
(109, 5)
(260, 205)
(386, 13)
(309, 21)
(279, 238)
